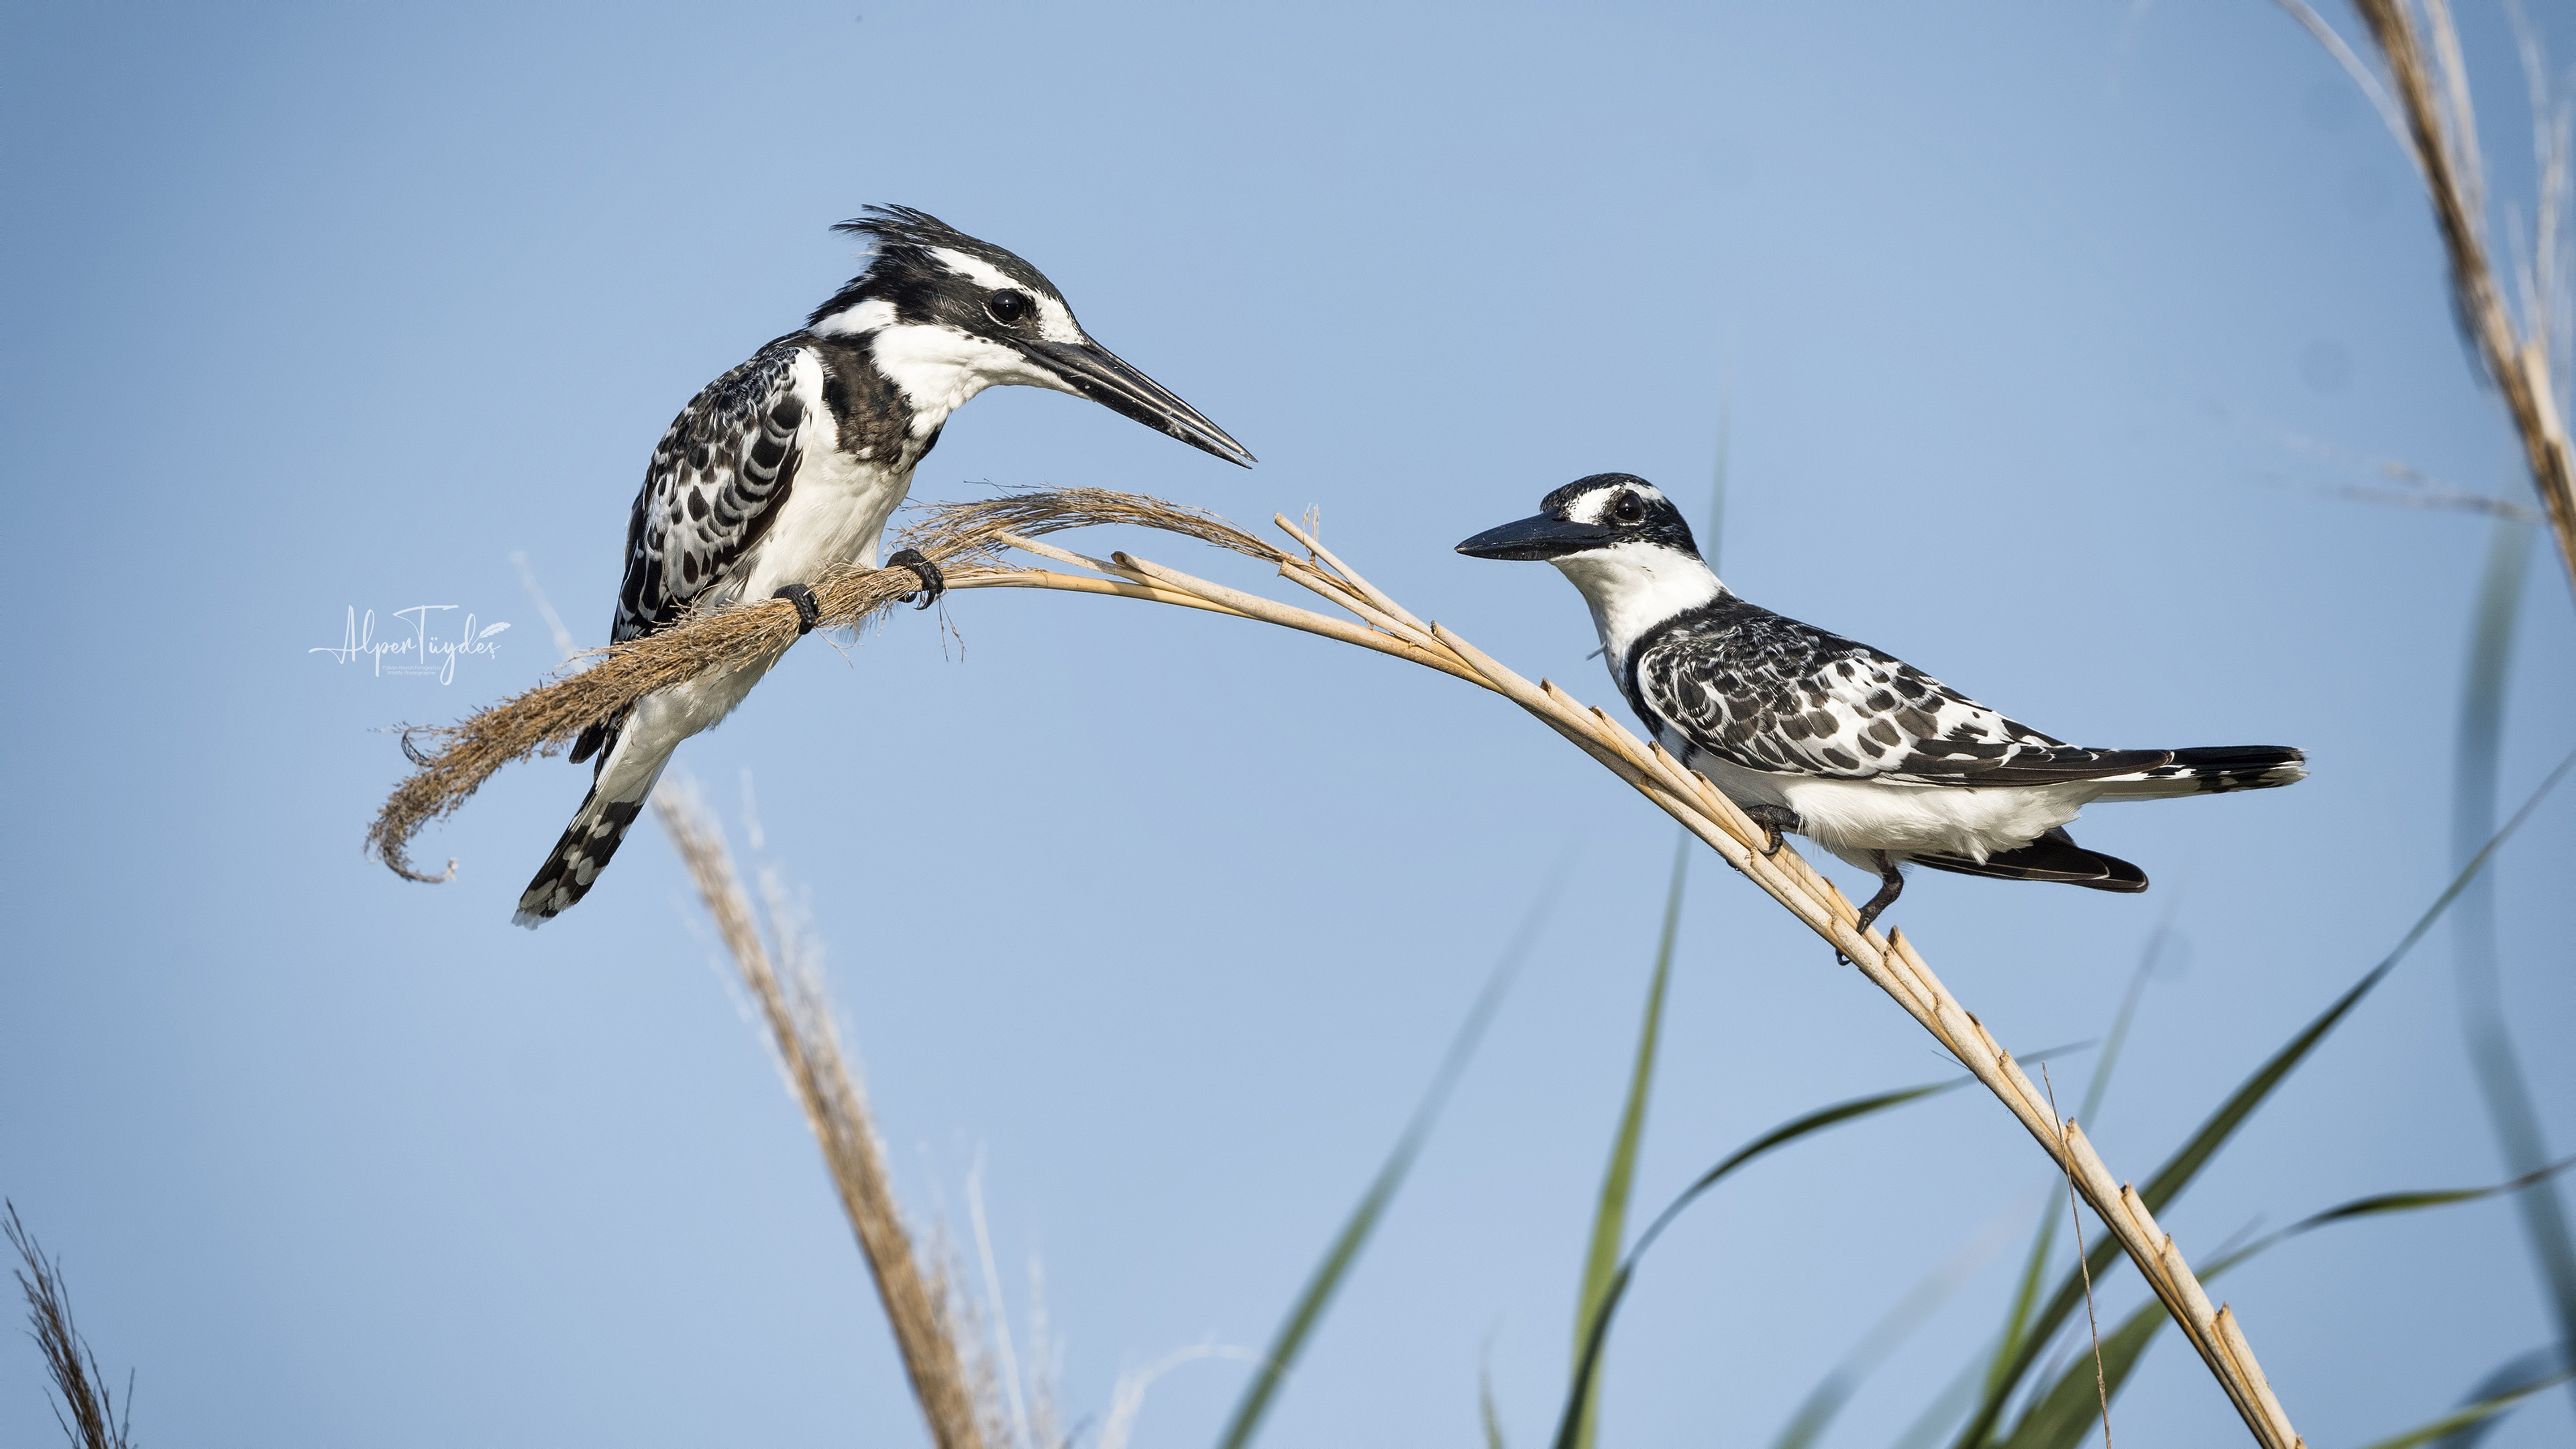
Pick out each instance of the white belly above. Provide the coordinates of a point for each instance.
(836, 512)
(1852, 818)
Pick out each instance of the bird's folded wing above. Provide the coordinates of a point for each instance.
(1769, 693)
(718, 479)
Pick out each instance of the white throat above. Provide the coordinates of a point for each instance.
(939, 368)
(1632, 587)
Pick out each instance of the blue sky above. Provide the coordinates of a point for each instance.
(2013, 314)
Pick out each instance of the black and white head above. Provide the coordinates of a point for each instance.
(945, 316)
(1617, 538)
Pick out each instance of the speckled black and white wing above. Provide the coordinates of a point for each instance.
(1768, 693)
(718, 479)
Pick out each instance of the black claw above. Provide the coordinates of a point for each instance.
(933, 582)
(808, 613)
(412, 751)
(1774, 818)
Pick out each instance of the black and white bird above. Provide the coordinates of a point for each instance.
(1816, 735)
(792, 462)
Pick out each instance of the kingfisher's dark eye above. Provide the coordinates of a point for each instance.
(1628, 508)
(1009, 307)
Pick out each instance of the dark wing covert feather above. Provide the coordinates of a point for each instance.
(718, 479)
(1768, 693)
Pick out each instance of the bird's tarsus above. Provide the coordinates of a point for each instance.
(933, 582)
(808, 613)
(1891, 884)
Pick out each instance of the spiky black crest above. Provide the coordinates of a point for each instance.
(901, 240)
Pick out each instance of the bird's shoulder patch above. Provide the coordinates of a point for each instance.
(717, 481)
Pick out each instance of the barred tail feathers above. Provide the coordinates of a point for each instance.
(597, 829)
(2212, 770)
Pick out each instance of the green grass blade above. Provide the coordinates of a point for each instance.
(1272, 1371)
(2475, 1414)
(2043, 1246)
(1943, 1411)
(2072, 1405)
(2179, 1170)
(2127, 1015)
(1597, 1330)
(1817, 1412)
(1485, 1411)
(1716, 535)
(1618, 1181)
(2068, 1412)
(2402, 1202)
(2496, 1065)
(2520, 1376)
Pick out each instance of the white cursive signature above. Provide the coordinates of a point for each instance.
(416, 653)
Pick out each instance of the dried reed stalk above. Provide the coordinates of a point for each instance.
(799, 1012)
(1890, 962)
(974, 533)
(545, 719)
(2432, 112)
(87, 1413)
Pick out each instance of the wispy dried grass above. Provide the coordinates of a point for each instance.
(2425, 100)
(86, 1412)
(550, 716)
(975, 532)
(919, 1304)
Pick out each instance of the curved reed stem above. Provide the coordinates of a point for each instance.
(972, 534)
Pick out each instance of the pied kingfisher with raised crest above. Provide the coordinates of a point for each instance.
(791, 463)
(1816, 735)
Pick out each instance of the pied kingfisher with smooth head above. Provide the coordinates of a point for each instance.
(792, 462)
(1814, 734)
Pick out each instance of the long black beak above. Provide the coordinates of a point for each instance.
(1543, 537)
(1098, 374)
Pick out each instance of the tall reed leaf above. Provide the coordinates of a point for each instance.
(2065, 1415)
(1303, 1315)
(2179, 1170)
(2476, 1418)
(2497, 1066)
(1826, 1400)
(2044, 1246)
(1610, 1215)
(2518, 1378)
(1597, 1329)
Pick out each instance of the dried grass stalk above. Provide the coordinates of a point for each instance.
(544, 719)
(799, 1012)
(977, 531)
(2428, 91)
(87, 1412)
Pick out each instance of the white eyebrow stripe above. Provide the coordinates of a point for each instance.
(1587, 509)
(975, 269)
(1055, 320)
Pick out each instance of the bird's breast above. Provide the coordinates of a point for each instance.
(834, 514)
